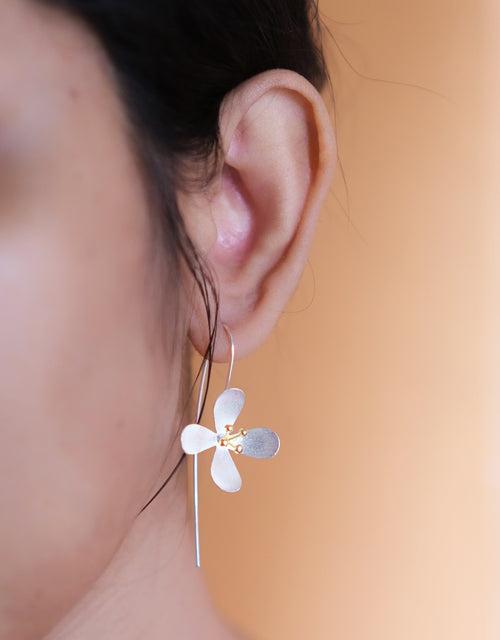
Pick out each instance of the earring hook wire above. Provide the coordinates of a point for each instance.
(199, 409)
(231, 352)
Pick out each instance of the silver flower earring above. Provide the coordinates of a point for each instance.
(257, 442)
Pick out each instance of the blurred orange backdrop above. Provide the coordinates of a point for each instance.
(378, 519)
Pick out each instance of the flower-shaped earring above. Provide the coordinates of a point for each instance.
(257, 442)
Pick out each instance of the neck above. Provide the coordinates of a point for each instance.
(152, 589)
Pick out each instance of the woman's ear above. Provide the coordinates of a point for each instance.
(255, 226)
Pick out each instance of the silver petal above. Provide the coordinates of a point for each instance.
(260, 443)
(227, 408)
(224, 471)
(196, 438)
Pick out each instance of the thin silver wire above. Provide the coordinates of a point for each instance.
(231, 361)
(201, 392)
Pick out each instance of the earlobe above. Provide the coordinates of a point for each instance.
(279, 157)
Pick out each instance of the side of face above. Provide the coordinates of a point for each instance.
(86, 393)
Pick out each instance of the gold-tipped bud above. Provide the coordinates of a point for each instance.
(239, 448)
(243, 432)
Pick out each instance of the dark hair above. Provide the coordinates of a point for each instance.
(174, 61)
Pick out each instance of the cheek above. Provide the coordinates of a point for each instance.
(83, 403)
(87, 391)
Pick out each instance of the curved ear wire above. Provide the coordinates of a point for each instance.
(199, 408)
(255, 443)
(231, 361)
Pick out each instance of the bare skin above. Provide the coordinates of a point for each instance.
(89, 395)
(152, 584)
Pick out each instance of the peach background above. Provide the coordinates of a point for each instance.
(379, 517)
